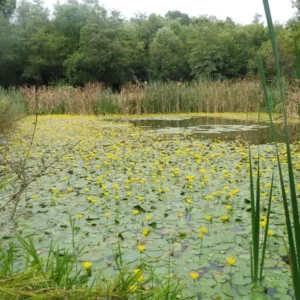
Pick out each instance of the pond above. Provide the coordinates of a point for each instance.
(217, 128)
(185, 199)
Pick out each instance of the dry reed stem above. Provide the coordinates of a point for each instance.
(235, 96)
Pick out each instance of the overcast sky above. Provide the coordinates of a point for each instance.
(241, 11)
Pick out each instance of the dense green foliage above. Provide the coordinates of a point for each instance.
(83, 42)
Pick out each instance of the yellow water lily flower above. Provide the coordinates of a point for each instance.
(208, 218)
(145, 232)
(203, 229)
(194, 275)
(141, 248)
(228, 207)
(230, 260)
(224, 218)
(87, 264)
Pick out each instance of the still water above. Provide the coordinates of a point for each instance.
(224, 129)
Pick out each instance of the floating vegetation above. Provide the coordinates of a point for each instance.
(179, 208)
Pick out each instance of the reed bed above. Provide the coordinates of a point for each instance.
(12, 107)
(157, 97)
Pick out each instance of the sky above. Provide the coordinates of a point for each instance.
(241, 11)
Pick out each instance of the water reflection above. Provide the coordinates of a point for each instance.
(224, 129)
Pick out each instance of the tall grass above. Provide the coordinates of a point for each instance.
(292, 223)
(257, 264)
(156, 97)
(12, 107)
(27, 274)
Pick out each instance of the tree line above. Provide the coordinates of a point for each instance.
(81, 42)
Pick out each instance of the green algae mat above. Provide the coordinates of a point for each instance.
(177, 204)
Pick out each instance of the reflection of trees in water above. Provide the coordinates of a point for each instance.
(260, 136)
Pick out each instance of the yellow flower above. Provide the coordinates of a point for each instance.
(87, 264)
(141, 198)
(263, 223)
(80, 216)
(107, 214)
(208, 218)
(203, 229)
(194, 275)
(201, 236)
(160, 190)
(190, 178)
(133, 288)
(116, 186)
(140, 278)
(136, 271)
(128, 194)
(270, 232)
(202, 171)
(70, 190)
(148, 218)
(35, 197)
(135, 212)
(208, 197)
(228, 207)
(230, 260)
(226, 188)
(141, 248)
(224, 218)
(268, 185)
(145, 231)
(188, 200)
(179, 214)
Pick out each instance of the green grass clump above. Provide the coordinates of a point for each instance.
(27, 274)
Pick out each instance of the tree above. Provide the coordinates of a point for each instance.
(215, 52)
(47, 54)
(8, 63)
(286, 53)
(167, 56)
(183, 18)
(104, 54)
(7, 7)
(30, 18)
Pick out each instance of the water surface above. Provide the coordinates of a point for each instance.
(224, 129)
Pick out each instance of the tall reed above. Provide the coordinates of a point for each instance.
(292, 224)
(12, 107)
(156, 97)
